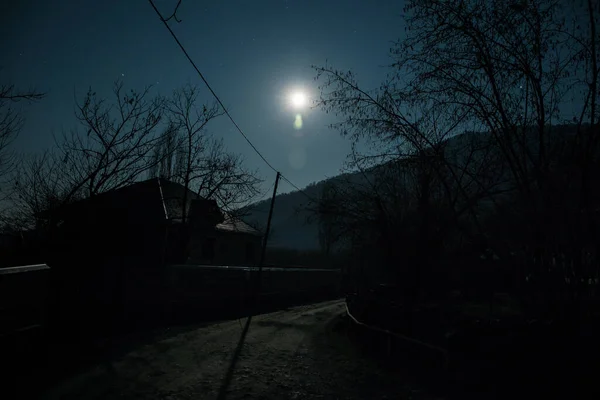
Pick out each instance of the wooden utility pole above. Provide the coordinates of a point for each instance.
(236, 354)
(266, 238)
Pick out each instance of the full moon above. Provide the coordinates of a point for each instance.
(298, 99)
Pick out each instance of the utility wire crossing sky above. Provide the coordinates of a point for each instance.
(257, 57)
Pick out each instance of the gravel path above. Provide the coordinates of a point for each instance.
(300, 353)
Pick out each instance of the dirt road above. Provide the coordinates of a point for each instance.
(300, 353)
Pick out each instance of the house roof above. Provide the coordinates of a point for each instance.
(113, 197)
(170, 195)
(236, 225)
(172, 199)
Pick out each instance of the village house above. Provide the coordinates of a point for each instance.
(147, 218)
(110, 252)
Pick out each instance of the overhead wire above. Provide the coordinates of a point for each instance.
(281, 176)
(166, 24)
(263, 197)
(297, 188)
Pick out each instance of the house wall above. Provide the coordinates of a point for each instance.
(107, 257)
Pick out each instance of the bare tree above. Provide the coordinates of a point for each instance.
(502, 64)
(192, 148)
(328, 235)
(167, 155)
(115, 146)
(11, 122)
(394, 125)
(227, 180)
(514, 67)
(40, 186)
(190, 155)
(503, 68)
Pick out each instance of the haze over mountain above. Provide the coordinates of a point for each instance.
(289, 225)
(295, 227)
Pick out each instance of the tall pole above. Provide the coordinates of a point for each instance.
(266, 238)
(229, 374)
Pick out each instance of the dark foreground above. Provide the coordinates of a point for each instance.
(306, 352)
(302, 352)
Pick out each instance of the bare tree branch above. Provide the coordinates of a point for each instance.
(174, 15)
(194, 158)
(115, 146)
(11, 121)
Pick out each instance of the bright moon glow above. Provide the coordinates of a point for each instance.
(298, 99)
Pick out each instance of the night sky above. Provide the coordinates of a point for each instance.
(253, 53)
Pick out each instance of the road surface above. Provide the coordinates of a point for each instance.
(300, 353)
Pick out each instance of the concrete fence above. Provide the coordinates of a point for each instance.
(23, 298)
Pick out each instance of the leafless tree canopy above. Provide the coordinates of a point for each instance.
(504, 65)
(507, 77)
(131, 137)
(111, 147)
(40, 185)
(114, 143)
(190, 155)
(11, 121)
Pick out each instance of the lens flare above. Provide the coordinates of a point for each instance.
(298, 122)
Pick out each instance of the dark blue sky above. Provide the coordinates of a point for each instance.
(251, 52)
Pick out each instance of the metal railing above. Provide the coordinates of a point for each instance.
(391, 334)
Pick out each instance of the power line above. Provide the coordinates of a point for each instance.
(297, 188)
(208, 86)
(263, 197)
(165, 23)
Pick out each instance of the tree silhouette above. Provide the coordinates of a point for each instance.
(188, 154)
